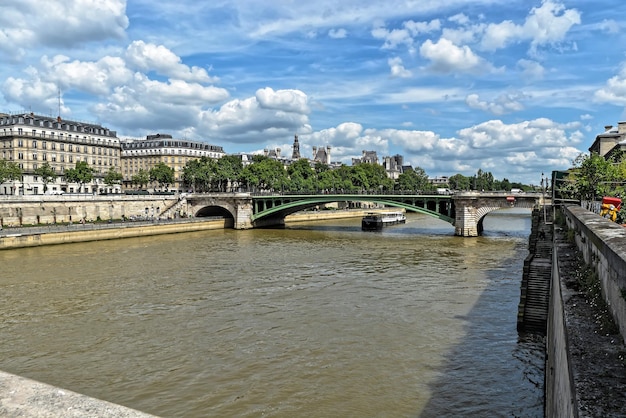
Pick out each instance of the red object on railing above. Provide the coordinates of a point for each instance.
(615, 201)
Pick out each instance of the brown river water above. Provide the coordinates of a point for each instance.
(314, 320)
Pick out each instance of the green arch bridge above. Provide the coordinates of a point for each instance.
(464, 210)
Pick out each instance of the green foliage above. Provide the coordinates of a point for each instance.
(162, 174)
(459, 182)
(413, 180)
(141, 178)
(113, 177)
(593, 177)
(9, 171)
(267, 174)
(47, 174)
(81, 174)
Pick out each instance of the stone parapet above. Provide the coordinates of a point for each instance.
(22, 397)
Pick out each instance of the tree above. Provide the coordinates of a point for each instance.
(199, 174)
(47, 174)
(302, 178)
(9, 171)
(81, 174)
(593, 176)
(265, 174)
(141, 178)
(483, 180)
(162, 174)
(413, 180)
(228, 171)
(113, 177)
(459, 182)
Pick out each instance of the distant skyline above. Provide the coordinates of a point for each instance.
(513, 87)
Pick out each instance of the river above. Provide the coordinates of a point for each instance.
(313, 320)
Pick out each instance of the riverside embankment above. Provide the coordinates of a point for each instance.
(586, 356)
(33, 236)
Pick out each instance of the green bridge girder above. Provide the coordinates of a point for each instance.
(283, 205)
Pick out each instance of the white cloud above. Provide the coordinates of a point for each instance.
(149, 57)
(446, 57)
(405, 36)
(293, 101)
(269, 115)
(537, 133)
(531, 70)
(504, 103)
(397, 69)
(337, 33)
(60, 23)
(545, 25)
(614, 92)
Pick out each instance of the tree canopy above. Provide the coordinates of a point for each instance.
(81, 174)
(47, 174)
(9, 171)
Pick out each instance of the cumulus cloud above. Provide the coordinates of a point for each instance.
(504, 103)
(268, 115)
(614, 91)
(149, 57)
(544, 25)
(406, 35)
(60, 23)
(446, 57)
(293, 101)
(397, 68)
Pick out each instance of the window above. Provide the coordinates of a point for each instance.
(34, 144)
(44, 156)
(62, 147)
(44, 145)
(20, 143)
(35, 168)
(70, 148)
(20, 155)
(34, 156)
(54, 146)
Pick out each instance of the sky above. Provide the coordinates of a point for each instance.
(513, 87)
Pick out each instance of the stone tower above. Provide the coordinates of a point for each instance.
(295, 155)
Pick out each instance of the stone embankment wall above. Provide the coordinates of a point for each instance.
(43, 209)
(603, 246)
(584, 374)
(22, 397)
(34, 237)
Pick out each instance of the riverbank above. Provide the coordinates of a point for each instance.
(19, 237)
(34, 236)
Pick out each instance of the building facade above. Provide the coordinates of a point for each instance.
(31, 140)
(610, 140)
(144, 154)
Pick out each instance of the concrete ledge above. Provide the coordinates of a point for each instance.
(22, 397)
(78, 233)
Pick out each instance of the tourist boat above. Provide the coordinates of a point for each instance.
(374, 221)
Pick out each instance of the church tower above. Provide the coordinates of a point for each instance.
(296, 149)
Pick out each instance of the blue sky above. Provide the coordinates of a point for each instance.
(514, 87)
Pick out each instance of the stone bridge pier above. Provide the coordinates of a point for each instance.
(237, 205)
(471, 208)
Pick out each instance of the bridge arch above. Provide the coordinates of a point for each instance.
(285, 205)
(213, 211)
(483, 211)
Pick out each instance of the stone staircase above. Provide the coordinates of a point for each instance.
(535, 288)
